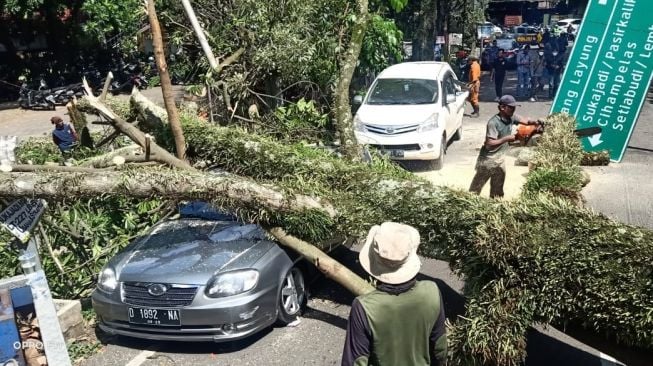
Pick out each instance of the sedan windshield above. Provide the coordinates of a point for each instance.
(404, 91)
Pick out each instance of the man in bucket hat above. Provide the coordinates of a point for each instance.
(490, 164)
(402, 321)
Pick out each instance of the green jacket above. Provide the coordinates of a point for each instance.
(404, 329)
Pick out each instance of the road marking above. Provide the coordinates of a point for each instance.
(140, 358)
(603, 2)
(596, 59)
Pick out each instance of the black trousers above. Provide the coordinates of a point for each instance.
(498, 84)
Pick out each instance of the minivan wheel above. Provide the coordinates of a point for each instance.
(459, 133)
(438, 163)
(292, 296)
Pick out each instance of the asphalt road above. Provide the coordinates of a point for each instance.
(622, 191)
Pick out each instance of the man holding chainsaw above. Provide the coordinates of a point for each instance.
(490, 164)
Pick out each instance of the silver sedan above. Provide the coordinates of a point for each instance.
(199, 280)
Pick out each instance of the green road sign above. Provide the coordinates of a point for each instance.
(609, 72)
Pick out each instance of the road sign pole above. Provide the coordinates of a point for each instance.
(56, 351)
(19, 218)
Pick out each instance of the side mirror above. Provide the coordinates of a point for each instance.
(451, 98)
(358, 100)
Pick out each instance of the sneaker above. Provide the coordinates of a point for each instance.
(532, 99)
(497, 99)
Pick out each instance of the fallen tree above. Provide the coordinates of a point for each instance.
(569, 264)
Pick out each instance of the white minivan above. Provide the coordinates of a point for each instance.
(412, 111)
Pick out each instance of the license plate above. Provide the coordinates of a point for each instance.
(397, 153)
(163, 317)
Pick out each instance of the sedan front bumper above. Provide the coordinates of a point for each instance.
(412, 146)
(206, 319)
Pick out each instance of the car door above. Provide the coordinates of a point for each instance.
(461, 98)
(450, 108)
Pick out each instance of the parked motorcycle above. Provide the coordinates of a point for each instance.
(129, 78)
(35, 99)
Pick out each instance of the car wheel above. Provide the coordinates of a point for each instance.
(438, 163)
(459, 133)
(292, 296)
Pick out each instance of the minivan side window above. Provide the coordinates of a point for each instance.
(448, 86)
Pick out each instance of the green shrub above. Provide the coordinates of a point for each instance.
(83, 235)
(557, 160)
(563, 183)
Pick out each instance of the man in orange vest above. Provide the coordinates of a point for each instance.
(474, 84)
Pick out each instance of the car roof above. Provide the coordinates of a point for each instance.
(414, 70)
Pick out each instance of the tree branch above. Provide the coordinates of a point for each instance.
(229, 60)
(145, 183)
(327, 265)
(133, 132)
(55, 168)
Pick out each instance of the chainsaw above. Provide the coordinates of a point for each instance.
(525, 133)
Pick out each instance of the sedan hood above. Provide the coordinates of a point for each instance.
(191, 251)
(396, 115)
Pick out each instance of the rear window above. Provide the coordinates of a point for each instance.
(404, 91)
(576, 22)
(506, 44)
(561, 24)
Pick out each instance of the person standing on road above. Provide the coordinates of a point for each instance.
(555, 64)
(474, 84)
(499, 73)
(523, 71)
(538, 74)
(562, 43)
(402, 321)
(490, 164)
(546, 36)
(493, 52)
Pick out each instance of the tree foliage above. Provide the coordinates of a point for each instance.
(117, 20)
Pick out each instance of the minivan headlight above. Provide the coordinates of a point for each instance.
(429, 125)
(358, 124)
(231, 283)
(107, 280)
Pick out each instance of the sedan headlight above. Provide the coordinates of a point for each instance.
(429, 125)
(231, 283)
(107, 280)
(358, 124)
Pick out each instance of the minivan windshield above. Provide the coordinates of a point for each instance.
(404, 91)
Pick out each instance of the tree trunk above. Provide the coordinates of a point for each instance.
(424, 37)
(199, 32)
(166, 84)
(344, 120)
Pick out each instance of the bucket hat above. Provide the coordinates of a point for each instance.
(390, 253)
